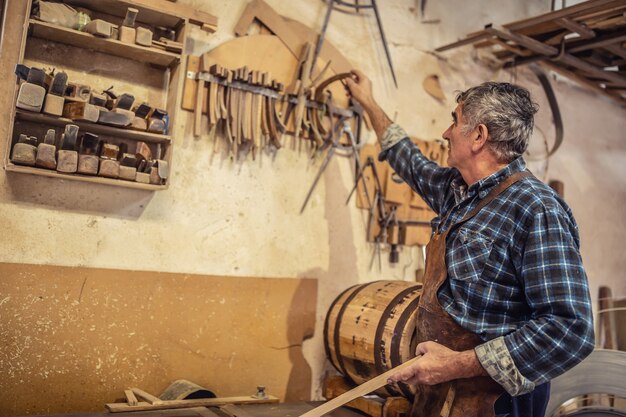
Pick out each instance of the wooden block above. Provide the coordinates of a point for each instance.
(164, 169)
(128, 173)
(156, 126)
(109, 168)
(77, 92)
(98, 99)
(67, 161)
(117, 117)
(46, 156)
(88, 164)
(58, 84)
(171, 45)
(80, 110)
(143, 37)
(131, 16)
(53, 105)
(89, 144)
(154, 176)
(143, 151)
(139, 124)
(29, 140)
(142, 177)
(50, 138)
(69, 137)
(24, 154)
(127, 34)
(110, 151)
(30, 97)
(98, 27)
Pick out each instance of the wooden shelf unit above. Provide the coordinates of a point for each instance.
(164, 65)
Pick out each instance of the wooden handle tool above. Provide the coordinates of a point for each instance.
(363, 389)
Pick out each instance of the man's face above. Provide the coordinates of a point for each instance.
(459, 144)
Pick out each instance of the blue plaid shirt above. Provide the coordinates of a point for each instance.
(515, 274)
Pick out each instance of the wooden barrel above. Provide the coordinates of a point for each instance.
(370, 328)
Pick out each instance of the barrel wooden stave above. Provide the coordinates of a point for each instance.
(370, 328)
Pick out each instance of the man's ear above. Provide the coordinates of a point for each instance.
(480, 140)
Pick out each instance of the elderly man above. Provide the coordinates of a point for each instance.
(505, 306)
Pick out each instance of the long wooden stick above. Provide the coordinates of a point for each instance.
(363, 389)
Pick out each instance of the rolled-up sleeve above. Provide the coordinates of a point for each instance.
(428, 179)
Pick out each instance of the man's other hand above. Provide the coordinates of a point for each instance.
(439, 364)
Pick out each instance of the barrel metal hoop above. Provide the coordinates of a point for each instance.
(395, 341)
(378, 354)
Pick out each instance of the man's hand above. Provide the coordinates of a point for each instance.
(439, 364)
(361, 89)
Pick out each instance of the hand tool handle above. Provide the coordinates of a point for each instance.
(363, 389)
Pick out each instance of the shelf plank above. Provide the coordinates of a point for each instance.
(84, 178)
(47, 31)
(95, 128)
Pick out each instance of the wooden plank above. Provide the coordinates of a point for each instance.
(582, 30)
(478, 36)
(131, 399)
(599, 42)
(190, 85)
(200, 402)
(114, 47)
(565, 12)
(582, 80)
(149, 398)
(363, 389)
(552, 52)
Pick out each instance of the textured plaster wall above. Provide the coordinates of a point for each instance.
(242, 218)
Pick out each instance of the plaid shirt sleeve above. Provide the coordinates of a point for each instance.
(560, 332)
(428, 179)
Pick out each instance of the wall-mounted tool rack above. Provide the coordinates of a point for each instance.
(255, 110)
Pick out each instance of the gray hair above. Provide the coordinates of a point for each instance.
(508, 112)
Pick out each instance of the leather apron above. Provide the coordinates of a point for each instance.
(471, 397)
